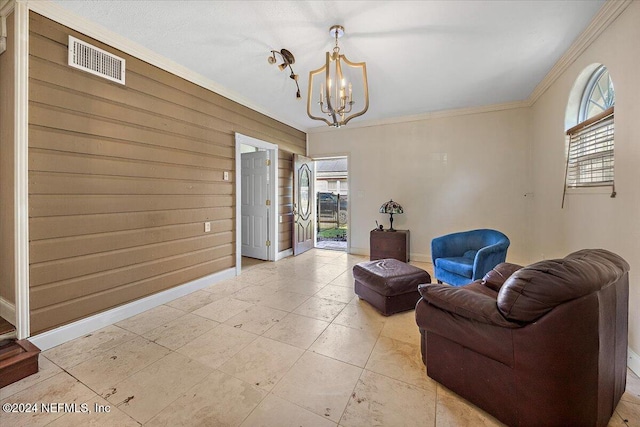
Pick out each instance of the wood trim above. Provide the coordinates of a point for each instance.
(21, 170)
(606, 113)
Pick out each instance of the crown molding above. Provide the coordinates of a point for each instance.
(62, 16)
(427, 116)
(6, 7)
(605, 16)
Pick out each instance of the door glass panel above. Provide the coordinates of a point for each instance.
(304, 192)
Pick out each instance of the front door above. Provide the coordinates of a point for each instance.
(255, 205)
(303, 198)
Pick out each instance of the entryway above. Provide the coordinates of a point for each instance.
(332, 203)
(256, 200)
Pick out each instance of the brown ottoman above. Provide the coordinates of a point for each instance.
(389, 285)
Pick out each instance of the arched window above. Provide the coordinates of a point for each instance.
(598, 95)
(590, 160)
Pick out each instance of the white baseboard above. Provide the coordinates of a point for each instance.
(633, 361)
(284, 254)
(359, 251)
(8, 311)
(49, 339)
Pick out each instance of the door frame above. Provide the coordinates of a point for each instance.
(272, 192)
(329, 156)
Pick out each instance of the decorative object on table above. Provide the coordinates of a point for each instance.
(391, 208)
(461, 258)
(287, 60)
(389, 245)
(509, 343)
(338, 79)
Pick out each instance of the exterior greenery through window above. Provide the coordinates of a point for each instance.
(590, 161)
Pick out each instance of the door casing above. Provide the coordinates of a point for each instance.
(273, 195)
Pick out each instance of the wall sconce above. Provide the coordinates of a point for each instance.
(287, 61)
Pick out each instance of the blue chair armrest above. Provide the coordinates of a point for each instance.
(488, 257)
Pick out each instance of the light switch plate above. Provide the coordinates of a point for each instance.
(225, 175)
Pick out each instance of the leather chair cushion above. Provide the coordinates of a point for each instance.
(461, 266)
(535, 290)
(495, 278)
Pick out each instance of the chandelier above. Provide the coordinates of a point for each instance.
(343, 85)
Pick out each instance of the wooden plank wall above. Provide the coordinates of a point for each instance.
(122, 178)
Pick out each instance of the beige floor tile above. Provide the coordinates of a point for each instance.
(319, 384)
(401, 361)
(194, 301)
(219, 400)
(253, 293)
(263, 362)
(98, 416)
(344, 280)
(256, 319)
(291, 283)
(360, 315)
(382, 401)
(629, 412)
(323, 275)
(299, 331)
(83, 348)
(403, 327)
(616, 421)
(276, 412)
(215, 347)
(60, 388)
(149, 391)
(345, 344)
(102, 372)
(632, 392)
(46, 369)
(453, 411)
(226, 287)
(181, 331)
(222, 309)
(336, 293)
(256, 276)
(150, 319)
(320, 308)
(284, 300)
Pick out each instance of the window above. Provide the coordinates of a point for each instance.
(590, 160)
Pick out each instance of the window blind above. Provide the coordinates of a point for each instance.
(590, 161)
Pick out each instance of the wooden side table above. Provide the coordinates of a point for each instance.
(389, 244)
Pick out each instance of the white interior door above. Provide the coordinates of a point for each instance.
(303, 202)
(255, 205)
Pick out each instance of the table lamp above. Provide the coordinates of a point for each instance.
(391, 208)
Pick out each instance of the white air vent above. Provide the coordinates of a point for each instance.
(95, 60)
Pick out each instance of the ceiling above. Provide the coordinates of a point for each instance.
(422, 56)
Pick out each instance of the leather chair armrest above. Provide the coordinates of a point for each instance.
(465, 303)
(495, 278)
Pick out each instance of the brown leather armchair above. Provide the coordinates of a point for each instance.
(535, 346)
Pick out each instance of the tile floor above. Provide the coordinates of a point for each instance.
(284, 344)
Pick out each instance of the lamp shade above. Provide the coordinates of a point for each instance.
(391, 207)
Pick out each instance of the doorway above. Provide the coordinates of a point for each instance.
(256, 200)
(332, 201)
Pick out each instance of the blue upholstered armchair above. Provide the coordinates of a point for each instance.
(461, 258)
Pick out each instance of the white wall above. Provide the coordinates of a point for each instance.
(449, 174)
(593, 220)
